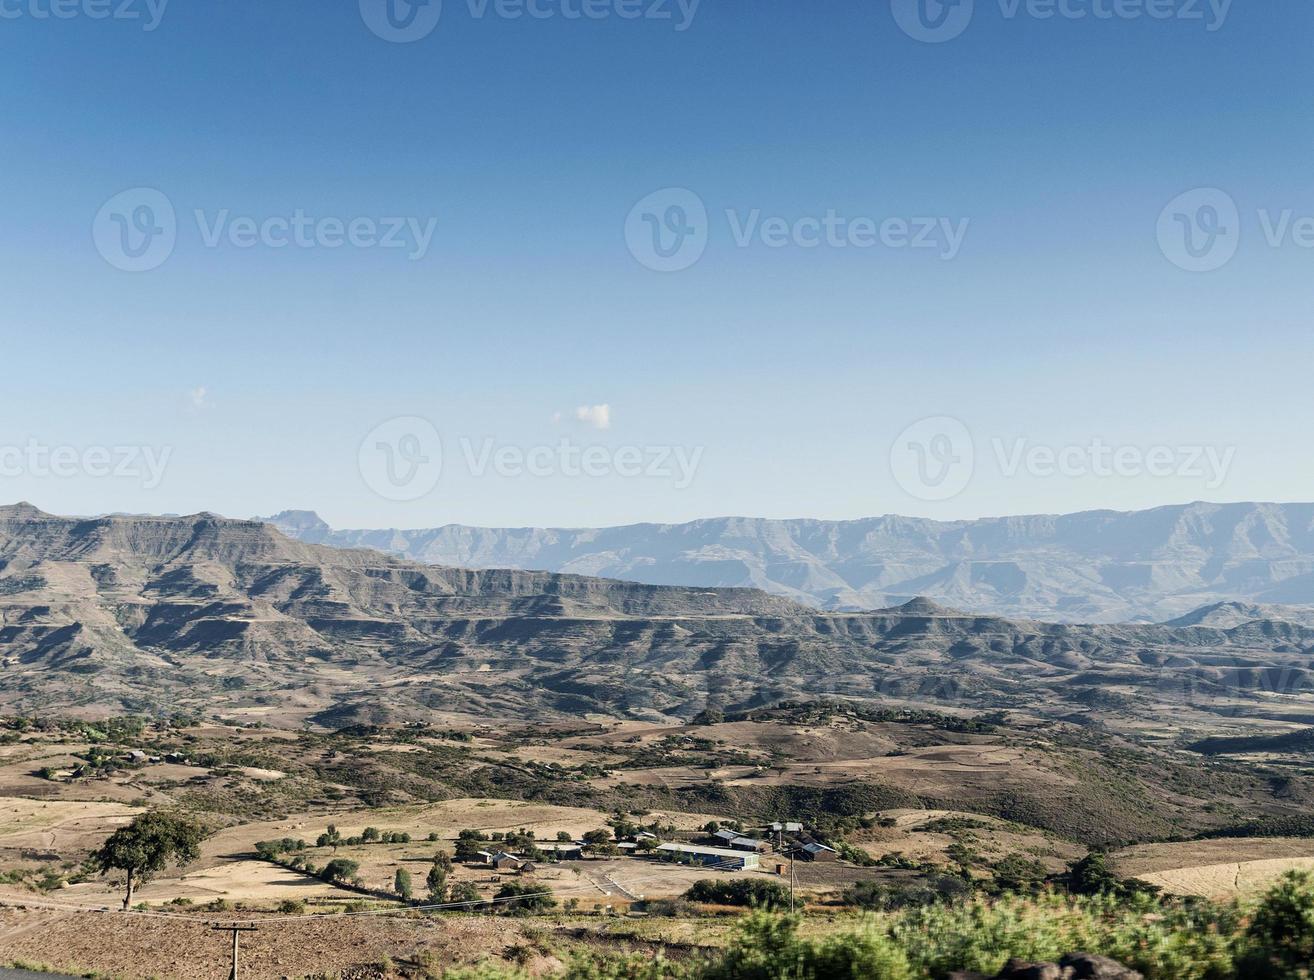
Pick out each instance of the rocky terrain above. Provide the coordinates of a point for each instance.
(1101, 566)
(140, 613)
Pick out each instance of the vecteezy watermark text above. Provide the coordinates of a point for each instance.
(137, 231)
(148, 13)
(833, 230)
(36, 459)
(676, 464)
(406, 21)
(936, 459)
(299, 230)
(1102, 460)
(937, 21)
(669, 230)
(403, 459)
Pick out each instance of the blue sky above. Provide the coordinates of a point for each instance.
(792, 380)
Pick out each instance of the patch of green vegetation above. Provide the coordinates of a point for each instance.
(524, 897)
(1163, 940)
(1294, 825)
(751, 892)
(953, 826)
(822, 711)
(878, 896)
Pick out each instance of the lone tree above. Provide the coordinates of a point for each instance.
(339, 869)
(401, 884)
(144, 847)
(436, 881)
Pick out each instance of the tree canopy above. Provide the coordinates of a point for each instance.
(147, 845)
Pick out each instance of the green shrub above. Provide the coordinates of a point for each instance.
(339, 869)
(768, 947)
(525, 897)
(1280, 939)
(753, 892)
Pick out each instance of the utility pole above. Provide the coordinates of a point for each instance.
(235, 930)
(793, 881)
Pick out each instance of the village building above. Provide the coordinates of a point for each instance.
(720, 856)
(502, 861)
(564, 850)
(736, 840)
(817, 852)
(750, 844)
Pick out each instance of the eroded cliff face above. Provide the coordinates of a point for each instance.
(154, 613)
(1098, 566)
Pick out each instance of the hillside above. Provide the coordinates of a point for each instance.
(140, 612)
(1100, 566)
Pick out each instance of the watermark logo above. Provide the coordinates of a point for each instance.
(401, 21)
(1200, 231)
(937, 21)
(136, 230)
(401, 459)
(667, 231)
(934, 459)
(404, 21)
(932, 21)
(38, 460)
(148, 13)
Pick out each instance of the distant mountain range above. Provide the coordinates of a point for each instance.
(1096, 567)
(202, 613)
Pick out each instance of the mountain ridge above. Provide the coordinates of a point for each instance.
(1100, 566)
(205, 613)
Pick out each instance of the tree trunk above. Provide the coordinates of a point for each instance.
(127, 899)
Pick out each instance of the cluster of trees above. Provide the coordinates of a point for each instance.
(878, 897)
(759, 893)
(820, 710)
(1093, 876)
(333, 838)
(600, 842)
(525, 897)
(271, 850)
(436, 884)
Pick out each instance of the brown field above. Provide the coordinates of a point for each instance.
(933, 771)
(995, 840)
(1219, 869)
(35, 832)
(137, 947)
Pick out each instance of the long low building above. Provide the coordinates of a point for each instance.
(721, 856)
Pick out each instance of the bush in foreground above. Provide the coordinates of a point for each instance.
(1162, 939)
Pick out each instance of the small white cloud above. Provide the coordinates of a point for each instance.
(199, 397)
(598, 416)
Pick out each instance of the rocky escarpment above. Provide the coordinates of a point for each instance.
(145, 612)
(1099, 566)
